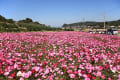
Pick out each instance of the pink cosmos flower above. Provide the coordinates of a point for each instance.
(36, 68)
(87, 78)
(50, 77)
(21, 78)
(100, 68)
(79, 74)
(15, 65)
(6, 73)
(119, 76)
(118, 79)
(26, 75)
(72, 75)
(103, 76)
(36, 75)
(38, 79)
(69, 71)
(46, 71)
(98, 73)
(43, 76)
(75, 72)
(109, 78)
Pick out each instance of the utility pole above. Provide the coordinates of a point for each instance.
(104, 22)
(83, 20)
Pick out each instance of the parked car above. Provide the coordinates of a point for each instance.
(104, 32)
(90, 31)
(112, 31)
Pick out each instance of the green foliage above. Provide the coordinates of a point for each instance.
(68, 29)
(90, 23)
(36, 22)
(10, 21)
(2, 19)
(108, 49)
(119, 49)
(9, 25)
(27, 20)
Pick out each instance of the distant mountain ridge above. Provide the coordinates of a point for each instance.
(93, 23)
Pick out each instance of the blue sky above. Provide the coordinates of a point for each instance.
(58, 12)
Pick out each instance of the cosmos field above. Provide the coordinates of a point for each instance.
(59, 56)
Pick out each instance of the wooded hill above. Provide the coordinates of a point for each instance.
(9, 25)
(93, 23)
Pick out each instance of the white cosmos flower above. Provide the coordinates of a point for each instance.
(19, 73)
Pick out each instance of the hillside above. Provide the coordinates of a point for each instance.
(93, 23)
(9, 25)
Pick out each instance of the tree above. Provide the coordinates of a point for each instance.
(36, 22)
(10, 21)
(2, 19)
(28, 20)
(64, 25)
